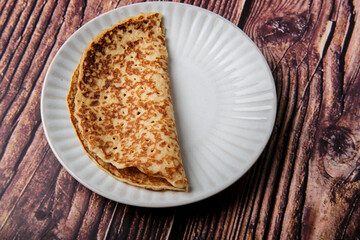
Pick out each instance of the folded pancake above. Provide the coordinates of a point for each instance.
(120, 105)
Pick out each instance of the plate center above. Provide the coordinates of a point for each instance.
(194, 99)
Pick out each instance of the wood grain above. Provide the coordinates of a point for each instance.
(306, 44)
(305, 185)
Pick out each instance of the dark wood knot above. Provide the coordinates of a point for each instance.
(289, 28)
(41, 215)
(337, 142)
(337, 148)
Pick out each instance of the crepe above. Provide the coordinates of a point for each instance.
(121, 108)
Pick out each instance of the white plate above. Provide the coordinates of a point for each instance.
(224, 99)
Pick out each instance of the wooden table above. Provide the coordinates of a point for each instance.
(306, 184)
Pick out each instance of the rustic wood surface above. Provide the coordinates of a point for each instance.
(305, 185)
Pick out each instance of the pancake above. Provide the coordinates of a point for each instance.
(121, 108)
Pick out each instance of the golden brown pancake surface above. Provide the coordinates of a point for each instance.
(120, 105)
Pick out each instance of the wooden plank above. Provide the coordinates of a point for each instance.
(9, 63)
(334, 169)
(16, 201)
(297, 57)
(7, 12)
